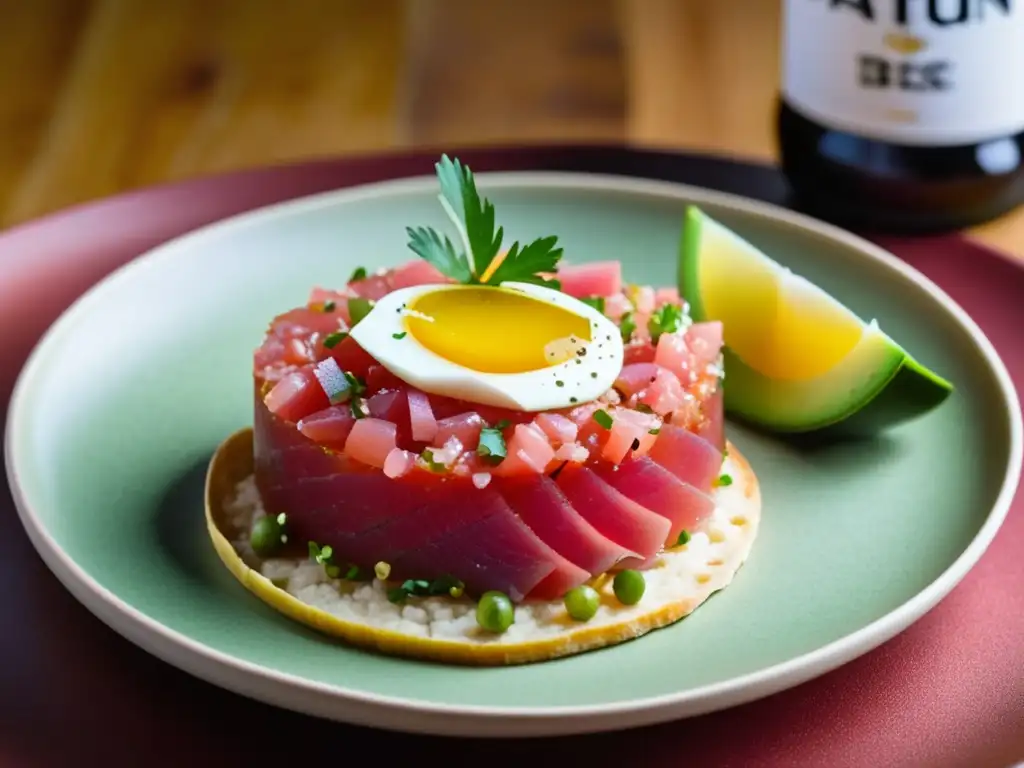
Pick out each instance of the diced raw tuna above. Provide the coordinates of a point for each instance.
(329, 427)
(399, 462)
(351, 357)
(667, 295)
(415, 272)
(599, 278)
(690, 458)
(652, 486)
(613, 514)
(558, 428)
(465, 426)
(372, 287)
(616, 306)
(421, 417)
(544, 508)
(297, 395)
(712, 428)
(370, 441)
(529, 451)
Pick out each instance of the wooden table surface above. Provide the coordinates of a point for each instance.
(101, 96)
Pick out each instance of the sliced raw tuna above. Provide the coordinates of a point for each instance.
(544, 508)
(565, 577)
(612, 514)
(498, 552)
(599, 278)
(690, 458)
(652, 486)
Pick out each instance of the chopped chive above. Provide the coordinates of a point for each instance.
(684, 538)
(352, 573)
(627, 325)
(491, 447)
(655, 431)
(359, 308)
(603, 418)
(597, 302)
(667, 318)
(359, 273)
(401, 335)
(329, 305)
(354, 382)
(725, 480)
(503, 424)
(359, 410)
(331, 340)
(593, 375)
(433, 466)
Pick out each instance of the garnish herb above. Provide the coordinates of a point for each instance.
(433, 466)
(329, 305)
(725, 480)
(354, 382)
(597, 302)
(324, 556)
(603, 418)
(627, 325)
(359, 410)
(644, 408)
(359, 273)
(353, 573)
(359, 308)
(655, 431)
(491, 447)
(474, 220)
(442, 585)
(401, 335)
(668, 318)
(331, 340)
(684, 538)
(503, 424)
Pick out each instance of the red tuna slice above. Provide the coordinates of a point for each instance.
(636, 377)
(712, 426)
(373, 287)
(465, 427)
(393, 405)
(600, 278)
(638, 351)
(616, 516)
(498, 552)
(329, 427)
(652, 486)
(545, 509)
(566, 576)
(297, 395)
(690, 458)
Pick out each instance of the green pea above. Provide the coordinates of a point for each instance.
(266, 536)
(582, 602)
(629, 586)
(494, 612)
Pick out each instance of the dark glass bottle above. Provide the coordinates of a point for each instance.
(903, 115)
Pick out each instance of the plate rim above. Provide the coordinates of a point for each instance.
(392, 712)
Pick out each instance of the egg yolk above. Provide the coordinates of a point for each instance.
(495, 330)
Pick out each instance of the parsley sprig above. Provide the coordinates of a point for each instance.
(474, 220)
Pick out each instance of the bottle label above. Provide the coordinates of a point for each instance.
(918, 72)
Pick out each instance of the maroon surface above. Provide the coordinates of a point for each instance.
(947, 692)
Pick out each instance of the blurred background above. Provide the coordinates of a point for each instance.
(102, 96)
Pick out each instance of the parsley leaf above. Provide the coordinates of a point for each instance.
(597, 302)
(359, 273)
(474, 219)
(440, 253)
(603, 418)
(331, 340)
(523, 265)
(358, 308)
(668, 318)
(684, 538)
(491, 447)
(626, 326)
(473, 216)
(725, 480)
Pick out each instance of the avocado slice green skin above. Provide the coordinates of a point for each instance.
(877, 386)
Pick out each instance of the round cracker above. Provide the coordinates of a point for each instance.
(714, 555)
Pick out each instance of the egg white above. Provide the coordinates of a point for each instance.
(535, 390)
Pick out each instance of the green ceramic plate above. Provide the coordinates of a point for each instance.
(122, 403)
